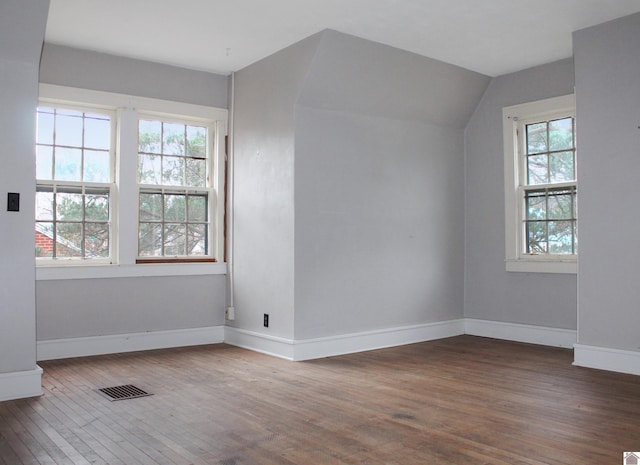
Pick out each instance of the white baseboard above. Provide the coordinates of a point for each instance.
(21, 384)
(259, 342)
(131, 342)
(307, 349)
(605, 358)
(541, 335)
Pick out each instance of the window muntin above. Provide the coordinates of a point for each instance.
(74, 173)
(174, 166)
(548, 186)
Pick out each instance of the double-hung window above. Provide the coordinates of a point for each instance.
(540, 186)
(175, 186)
(74, 184)
(125, 181)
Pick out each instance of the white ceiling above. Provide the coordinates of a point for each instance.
(492, 37)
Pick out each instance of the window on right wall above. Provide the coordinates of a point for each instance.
(540, 160)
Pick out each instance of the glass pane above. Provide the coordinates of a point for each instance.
(44, 206)
(150, 207)
(44, 240)
(561, 167)
(196, 142)
(197, 239)
(173, 139)
(96, 240)
(560, 205)
(173, 171)
(97, 133)
(150, 169)
(175, 240)
(536, 206)
(69, 207)
(44, 162)
(69, 240)
(97, 207)
(537, 138)
(45, 127)
(536, 237)
(69, 130)
(96, 166)
(150, 240)
(196, 172)
(561, 134)
(68, 164)
(175, 208)
(149, 136)
(537, 170)
(560, 237)
(197, 208)
(575, 237)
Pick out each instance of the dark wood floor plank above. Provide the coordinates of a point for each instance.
(453, 401)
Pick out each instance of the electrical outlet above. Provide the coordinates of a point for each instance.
(265, 320)
(13, 202)
(230, 313)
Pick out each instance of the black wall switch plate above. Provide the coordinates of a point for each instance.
(13, 202)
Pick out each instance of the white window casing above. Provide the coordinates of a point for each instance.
(515, 119)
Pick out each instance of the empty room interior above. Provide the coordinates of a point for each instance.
(305, 232)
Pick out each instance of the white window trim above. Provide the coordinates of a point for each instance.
(125, 224)
(516, 260)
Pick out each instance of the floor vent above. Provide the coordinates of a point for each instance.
(128, 391)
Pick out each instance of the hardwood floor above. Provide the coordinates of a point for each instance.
(463, 400)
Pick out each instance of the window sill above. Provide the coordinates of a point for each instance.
(542, 266)
(53, 272)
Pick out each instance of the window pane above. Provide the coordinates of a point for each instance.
(97, 133)
(150, 169)
(68, 164)
(96, 166)
(150, 207)
(150, 240)
(44, 162)
(97, 207)
(197, 239)
(69, 129)
(69, 207)
(44, 206)
(560, 237)
(537, 169)
(196, 172)
(173, 139)
(560, 205)
(196, 142)
(69, 240)
(149, 136)
(175, 208)
(561, 134)
(175, 240)
(45, 126)
(173, 171)
(44, 240)
(536, 237)
(537, 138)
(561, 167)
(97, 240)
(536, 206)
(197, 208)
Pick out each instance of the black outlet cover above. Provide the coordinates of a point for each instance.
(13, 202)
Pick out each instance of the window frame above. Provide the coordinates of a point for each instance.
(514, 118)
(123, 262)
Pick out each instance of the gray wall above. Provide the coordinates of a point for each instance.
(607, 62)
(266, 93)
(349, 208)
(491, 293)
(96, 307)
(86, 69)
(22, 26)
